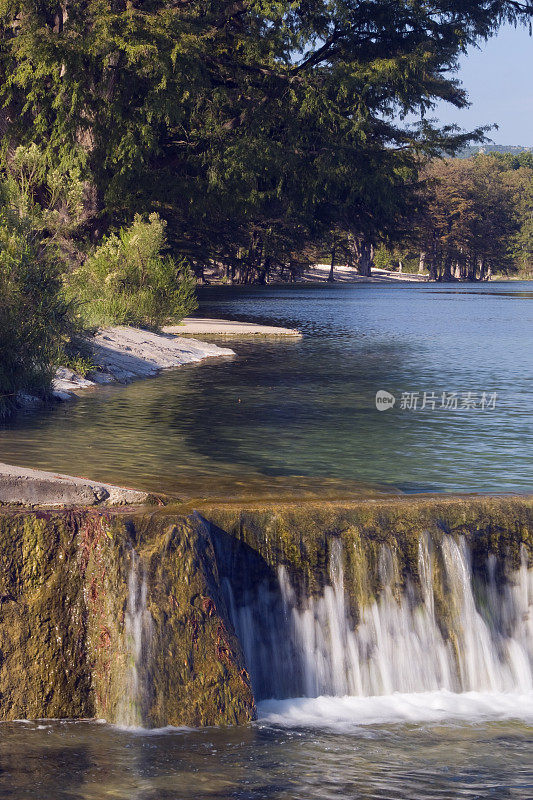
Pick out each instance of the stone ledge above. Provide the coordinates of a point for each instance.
(199, 326)
(34, 487)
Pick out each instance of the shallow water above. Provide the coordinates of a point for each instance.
(286, 415)
(449, 760)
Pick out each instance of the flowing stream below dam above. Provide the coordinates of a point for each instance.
(397, 644)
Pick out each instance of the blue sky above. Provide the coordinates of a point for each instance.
(499, 81)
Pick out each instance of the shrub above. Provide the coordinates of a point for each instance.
(35, 318)
(51, 198)
(128, 280)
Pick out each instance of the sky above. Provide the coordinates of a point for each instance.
(499, 81)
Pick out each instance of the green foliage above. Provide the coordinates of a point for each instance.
(468, 219)
(394, 257)
(77, 356)
(82, 365)
(517, 176)
(474, 217)
(128, 280)
(253, 128)
(35, 319)
(50, 197)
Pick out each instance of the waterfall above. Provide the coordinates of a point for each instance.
(454, 628)
(138, 634)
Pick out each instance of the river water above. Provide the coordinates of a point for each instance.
(264, 761)
(301, 414)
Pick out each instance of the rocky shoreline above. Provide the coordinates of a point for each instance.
(122, 354)
(125, 354)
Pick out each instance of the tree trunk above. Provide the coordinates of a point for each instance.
(365, 258)
(265, 271)
(422, 262)
(331, 277)
(447, 274)
(433, 271)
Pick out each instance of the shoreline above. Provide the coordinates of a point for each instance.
(320, 273)
(123, 354)
(205, 326)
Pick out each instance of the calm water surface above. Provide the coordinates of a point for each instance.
(48, 761)
(302, 412)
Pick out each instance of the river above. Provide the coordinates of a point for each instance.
(301, 416)
(302, 413)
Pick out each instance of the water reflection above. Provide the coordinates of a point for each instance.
(301, 413)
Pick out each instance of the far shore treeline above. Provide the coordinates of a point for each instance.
(146, 145)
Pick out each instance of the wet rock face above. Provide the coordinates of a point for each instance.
(43, 632)
(371, 598)
(195, 669)
(75, 643)
(132, 617)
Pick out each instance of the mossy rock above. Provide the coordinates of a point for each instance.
(64, 592)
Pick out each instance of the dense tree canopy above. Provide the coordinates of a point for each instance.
(473, 219)
(252, 127)
(35, 320)
(517, 175)
(468, 219)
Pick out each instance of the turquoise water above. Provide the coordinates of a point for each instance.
(302, 412)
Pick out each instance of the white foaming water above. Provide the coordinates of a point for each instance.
(345, 714)
(138, 634)
(398, 645)
(457, 645)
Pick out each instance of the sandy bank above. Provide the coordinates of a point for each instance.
(199, 326)
(320, 272)
(125, 354)
(34, 487)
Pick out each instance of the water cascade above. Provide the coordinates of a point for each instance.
(138, 636)
(454, 625)
(159, 618)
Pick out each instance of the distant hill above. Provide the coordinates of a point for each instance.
(473, 150)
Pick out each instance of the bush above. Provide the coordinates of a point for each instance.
(128, 281)
(50, 198)
(35, 318)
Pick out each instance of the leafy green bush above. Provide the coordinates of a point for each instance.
(35, 318)
(50, 197)
(128, 280)
(76, 355)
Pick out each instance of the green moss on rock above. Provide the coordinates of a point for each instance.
(64, 651)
